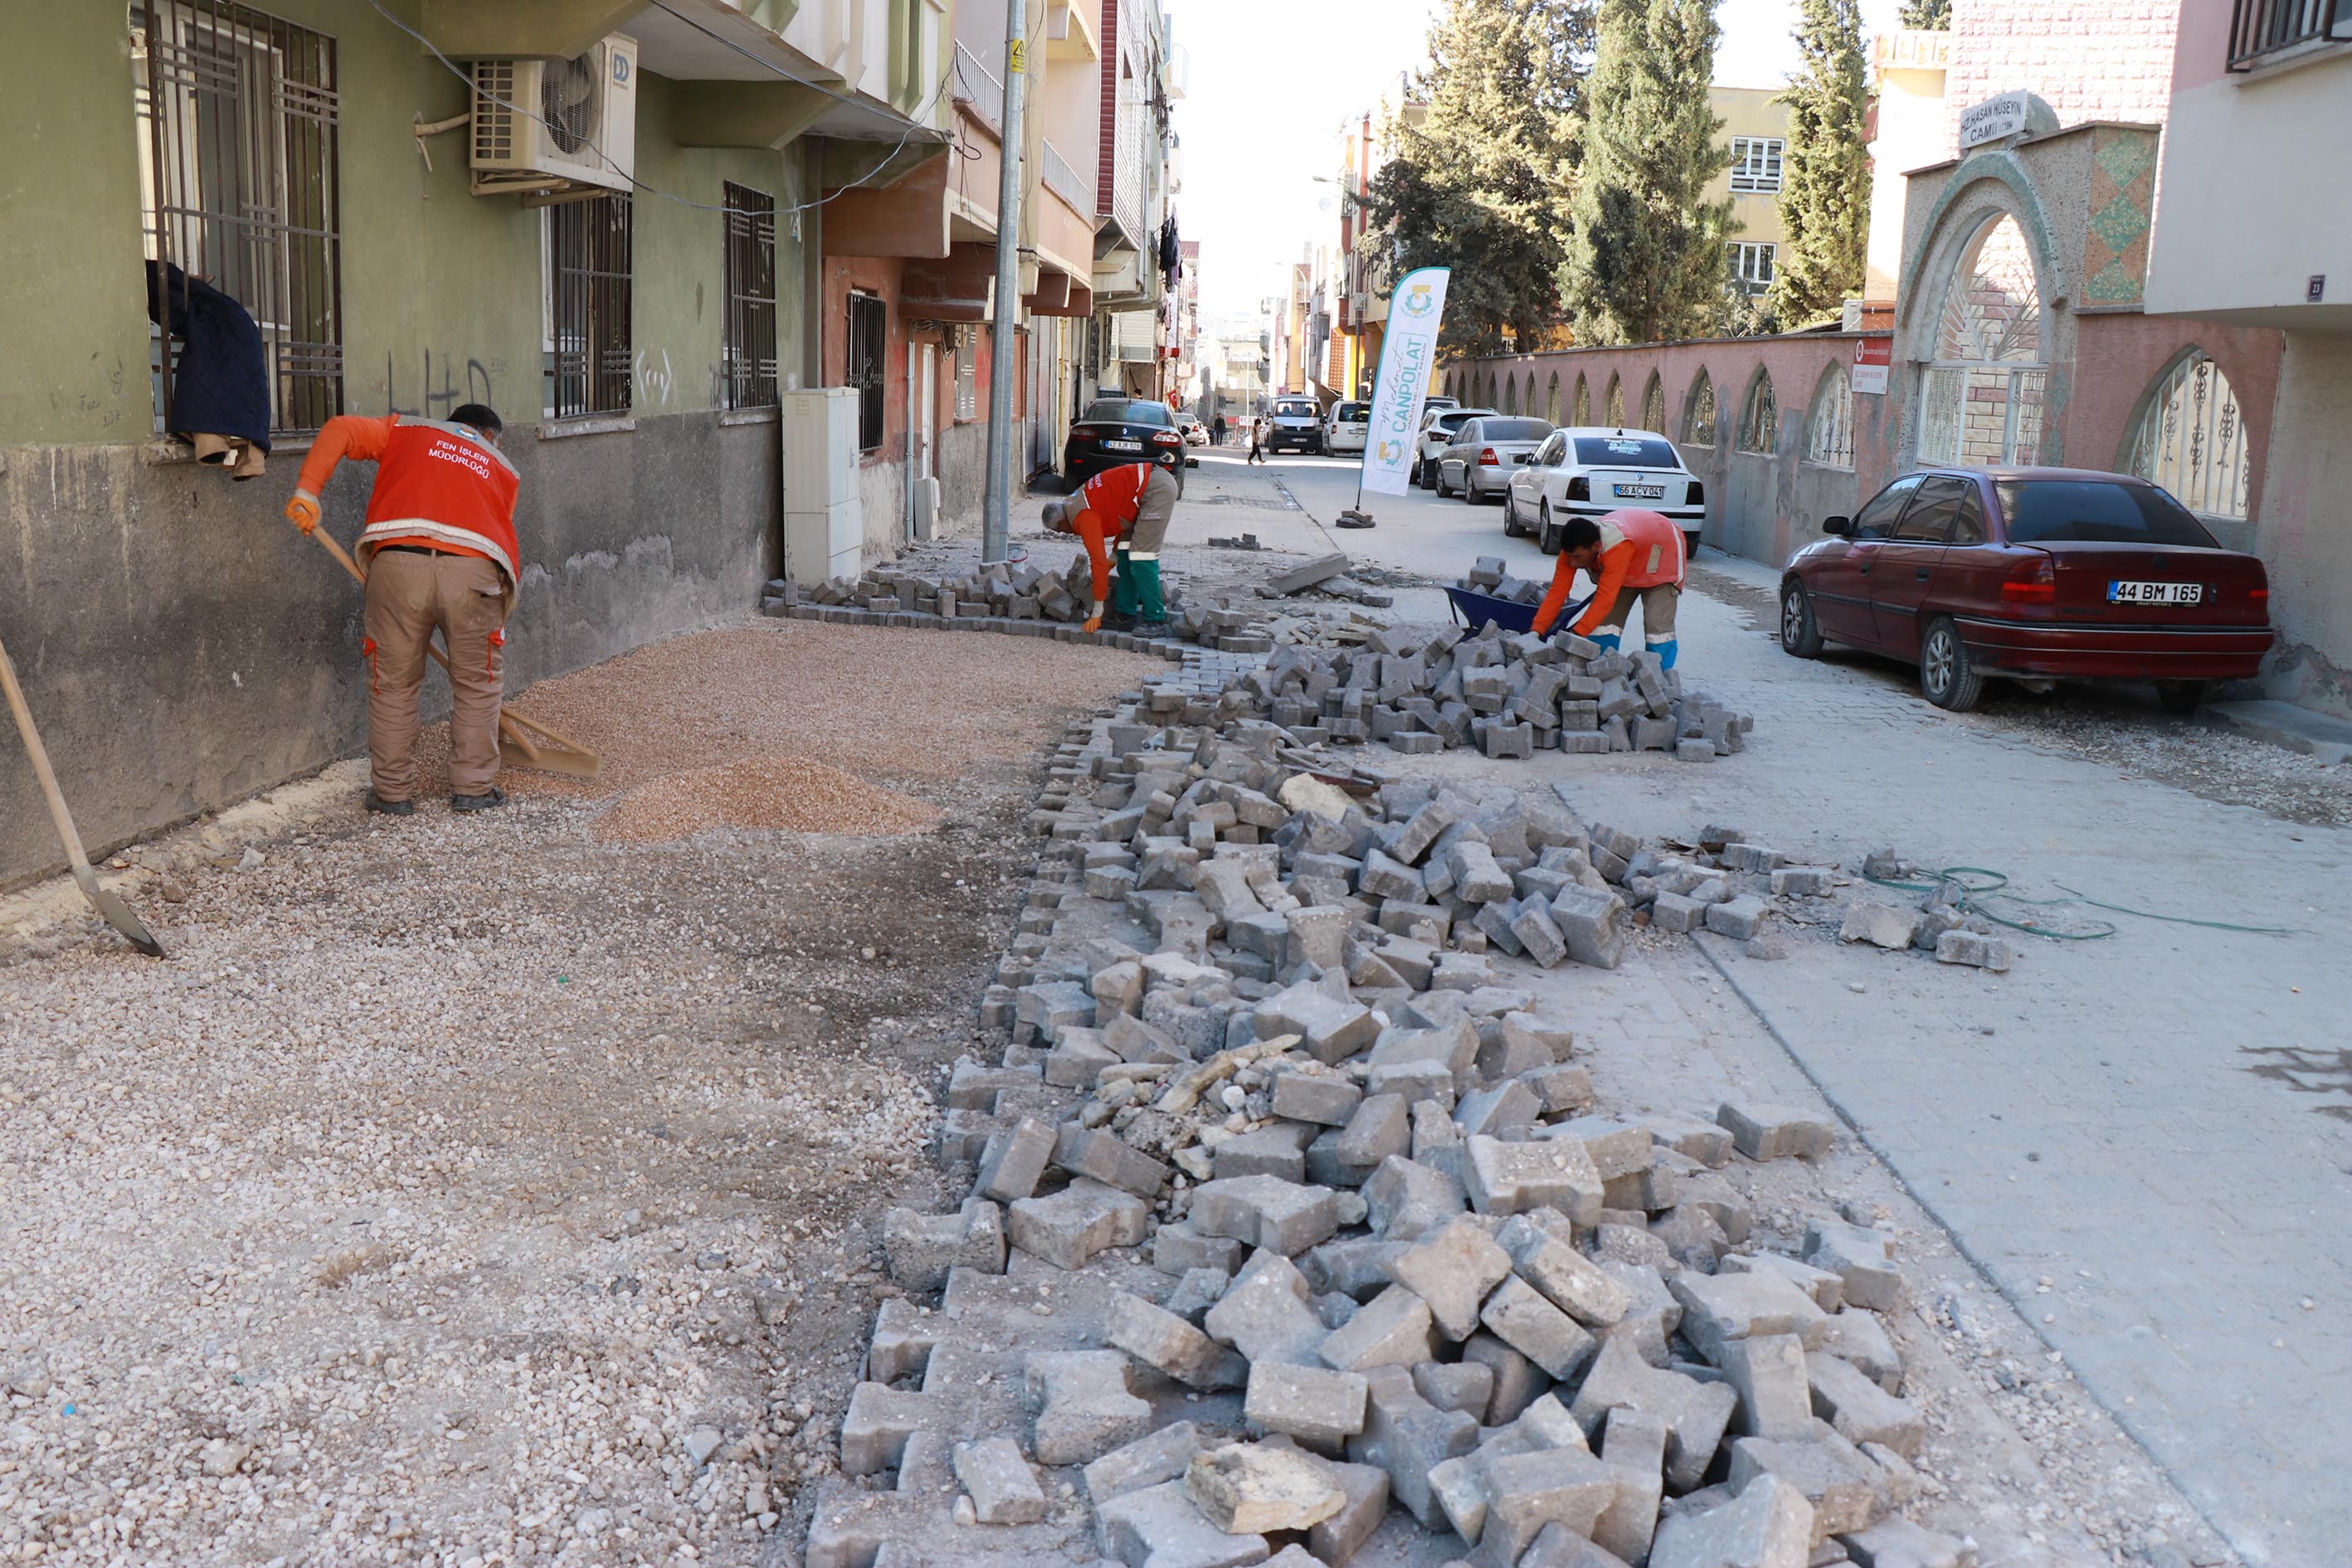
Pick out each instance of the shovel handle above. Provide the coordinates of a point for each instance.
(42, 771)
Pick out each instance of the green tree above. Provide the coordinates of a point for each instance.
(1481, 174)
(1825, 173)
(1936, 15)
(1646, 257)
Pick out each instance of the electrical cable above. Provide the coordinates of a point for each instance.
(1972, 893)
(477, 90)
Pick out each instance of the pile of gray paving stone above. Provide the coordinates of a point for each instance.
(1022, 599)
(1937, 922)
(1511, 694)
(1296, 1230)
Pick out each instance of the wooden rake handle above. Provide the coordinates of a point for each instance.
(512, 725)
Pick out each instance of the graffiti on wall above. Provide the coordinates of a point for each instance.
(444, 384)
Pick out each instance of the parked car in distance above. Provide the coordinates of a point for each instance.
(1195, 433)
(1346, 429)
(1591, 470)
(1298, 424)
(1436, 434)
(1115, 430)
(1439, 401)
(2033, 573)
(1485, 452)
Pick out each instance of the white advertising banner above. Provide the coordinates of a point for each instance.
(1408, 352)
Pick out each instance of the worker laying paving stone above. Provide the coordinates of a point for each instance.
(1315, 1221)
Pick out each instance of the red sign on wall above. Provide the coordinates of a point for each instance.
(1871, 356)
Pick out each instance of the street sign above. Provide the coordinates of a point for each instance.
(1992, 119)
(1871, 356)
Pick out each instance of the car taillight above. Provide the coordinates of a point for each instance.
(1580, 489)
(2258, 594)
(1695, 495)
(2033, 582)
(1486, 458)
(1166, 437)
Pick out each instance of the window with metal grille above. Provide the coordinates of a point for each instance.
(2191, 439)
(1756, 164)
(1829, 431)
(1654, 405)
(1699, 420)
(590, 364)
(1759, 425)
(746, 346)
(2262, 27)
(238, 112)
(1751, 265)
(967, 373)
(868, 338)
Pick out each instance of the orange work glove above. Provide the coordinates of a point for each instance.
(303, 510)
(1093, 623)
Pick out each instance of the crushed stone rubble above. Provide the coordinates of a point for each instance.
(1300, 1216)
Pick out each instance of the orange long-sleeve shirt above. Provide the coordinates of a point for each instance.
(1106, 507)
(357, 435)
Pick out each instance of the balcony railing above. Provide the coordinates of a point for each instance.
(980, 90)
(1063, 182)
(2262, 28)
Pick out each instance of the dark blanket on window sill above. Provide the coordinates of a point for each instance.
(222, 387)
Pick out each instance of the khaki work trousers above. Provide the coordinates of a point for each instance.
(410, 595)
(1659, 602)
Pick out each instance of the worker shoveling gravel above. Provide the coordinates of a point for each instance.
(778, 793)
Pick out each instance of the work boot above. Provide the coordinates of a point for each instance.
(1117, 621)
(389, 807)
(1151, 628)
(479, 802)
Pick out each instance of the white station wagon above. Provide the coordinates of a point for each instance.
(1592, 470)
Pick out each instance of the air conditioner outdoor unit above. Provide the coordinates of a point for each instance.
(553, 126)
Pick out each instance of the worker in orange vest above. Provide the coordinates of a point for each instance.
(1130, 503)
(1634, 556)
(439, 548)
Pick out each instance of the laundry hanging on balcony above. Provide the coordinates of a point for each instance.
(220, 382)
(1172, 260)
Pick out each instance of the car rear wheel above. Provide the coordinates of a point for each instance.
(2181, 697)
(1948, 676)
(1442, 491)
(1799, 633)
(1546, 531)
(1428, 474)
(1511, 529)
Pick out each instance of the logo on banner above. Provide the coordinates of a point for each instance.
(1391, 451)
(1417, 301)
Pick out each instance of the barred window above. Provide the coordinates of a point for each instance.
(746, 348)
(1551, 399)
(1654, 405)
(238, 111)
(867, 337)
(1829, 430)
(590, 360)
(1698, 423)
(2193, 439)
(1756, 164)
(1582, 413)
(967, 373)
(1759, 425)
(1617, 402)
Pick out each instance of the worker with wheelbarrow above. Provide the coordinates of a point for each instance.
(1129, 504)
(1634, 556)
(440, 550)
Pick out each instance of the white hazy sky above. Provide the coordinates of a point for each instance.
(1273, 80)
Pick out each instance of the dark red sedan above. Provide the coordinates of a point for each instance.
(2032, 574)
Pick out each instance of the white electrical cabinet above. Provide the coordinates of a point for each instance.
(825, 527)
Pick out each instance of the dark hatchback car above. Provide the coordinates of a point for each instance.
(1115, 430)
(2032, 574)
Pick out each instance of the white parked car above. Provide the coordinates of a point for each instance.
(1592, 470)
(1437, 427)
(1485, 452)
(1195, 433)
(1346, 427)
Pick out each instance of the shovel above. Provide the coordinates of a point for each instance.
(522, 742)
(117, 913)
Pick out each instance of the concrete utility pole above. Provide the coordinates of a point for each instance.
(996, 520)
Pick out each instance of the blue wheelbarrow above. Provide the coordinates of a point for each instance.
(1474, 610)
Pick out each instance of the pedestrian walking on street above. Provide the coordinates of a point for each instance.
(1634, 556)
(1217, 430)
(1257, 434)
(1130, 504)
(440, 552)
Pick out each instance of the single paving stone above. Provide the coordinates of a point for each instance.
(1336, 1541)
(1763, 1131)
(1826, 1289)
(1452, 1270)
(1510, 1178)
(902, 1341)
(1407, 1200)
(1557, 1546)
(1740, 918)
(1003, 1489)
(1768, 1373)
(1014, 1160)
(1084, 1408)
(1159, 1338)
(1769, 1525)
(1328, 1102)
(1158, 1527)
(1106, 1157)
(1633, 1444)
(1722, 1308)
(1277, 1149)
(922, 1248)
(1518, 1382)
(1880, 923)
(1381, 1126)
(1525, 1492)
(1407, 1437)
(1148, 1461)
(1695, 1413)
(1517, 1314)
(1592, 923)
(1858, 1410)
(1393, 1329)
(1265, 1315)
(1897, 1542)
(1068, 1227)
(876, 1428)
(1847, 1492)
(1993, 953)
(1265, 1211)
(1466, 1385)
(1858, 1338)
(1864, 1259)
(1247, 1488)
(1319, 1407)
(1569, 1279)
(1179, 1249)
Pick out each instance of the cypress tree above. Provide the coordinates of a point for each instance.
(1935, 16)
(1646, 259)
(1825, 179)
(1479, 181)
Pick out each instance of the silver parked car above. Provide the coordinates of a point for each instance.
(1485, 451)
(1436, 434)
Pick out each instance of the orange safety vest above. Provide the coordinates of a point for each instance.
(435, 484)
